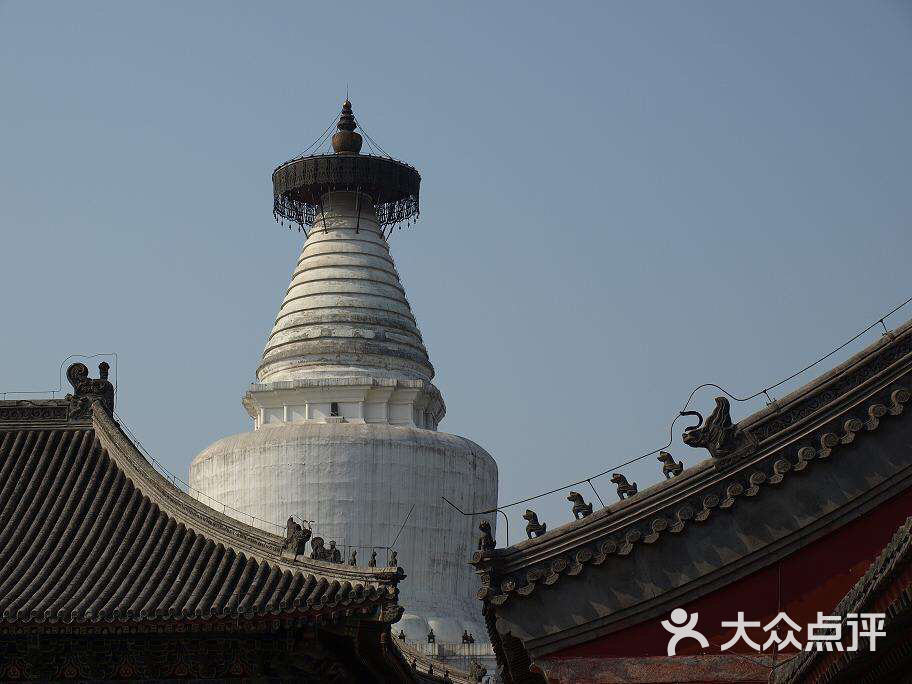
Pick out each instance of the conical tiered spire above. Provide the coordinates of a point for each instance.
(345, 312)
(345, 413)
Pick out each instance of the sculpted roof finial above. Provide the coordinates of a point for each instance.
(300, 184)
(345, 140)
(86, 390)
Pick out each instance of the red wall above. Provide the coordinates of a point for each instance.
(812, 579)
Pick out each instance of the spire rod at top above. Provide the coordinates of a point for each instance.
(345, 140)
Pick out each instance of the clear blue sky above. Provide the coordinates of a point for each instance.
(619, 202)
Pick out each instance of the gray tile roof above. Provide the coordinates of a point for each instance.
(822, 456)
(86, 536)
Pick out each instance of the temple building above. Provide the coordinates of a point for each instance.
(801, 509)
(344, 411)
(108, 571)
(320, 546)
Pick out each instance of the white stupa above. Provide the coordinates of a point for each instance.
(344, 410)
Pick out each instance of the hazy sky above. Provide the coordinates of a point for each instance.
(620, 201)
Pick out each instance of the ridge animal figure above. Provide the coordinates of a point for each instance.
(716, 433)
(580, 508)
(295, 538)
(486, 541)
(394, 560)
(319, 551)
(670, 467)
(354, 558)
(372, 563)
(625, 489)
(534, 527)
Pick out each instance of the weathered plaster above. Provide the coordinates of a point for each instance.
(345, 416)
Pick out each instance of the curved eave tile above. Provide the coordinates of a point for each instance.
(83, 542)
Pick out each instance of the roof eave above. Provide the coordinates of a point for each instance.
(706, 473)
(244, 538)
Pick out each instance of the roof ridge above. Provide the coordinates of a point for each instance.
(899, 340)
(219, 527)
(92, 534)
(818, 383)
(872, 384)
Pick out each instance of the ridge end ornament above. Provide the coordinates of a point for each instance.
(86, 390)
(718, 435)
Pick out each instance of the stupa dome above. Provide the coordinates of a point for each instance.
(345, 413)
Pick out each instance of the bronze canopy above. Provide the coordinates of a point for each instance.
(299, 184)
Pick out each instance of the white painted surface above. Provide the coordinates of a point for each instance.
(345, 312)
(345, 335)
(358, 483)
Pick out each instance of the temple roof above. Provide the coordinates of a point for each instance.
(91, 533)
(778, 480)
